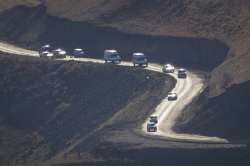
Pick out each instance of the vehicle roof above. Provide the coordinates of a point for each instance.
(78, 49)
(58, 49)
(151, 123)
(62, 52)
(47, 45)
(139, 54)
(182, 69)
(50, 54)
(172, 93)
(111, 51)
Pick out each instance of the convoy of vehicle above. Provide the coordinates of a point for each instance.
(112, 56)
(139, 59)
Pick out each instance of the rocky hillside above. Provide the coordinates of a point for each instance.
(226, 116)
(225, 20)
(46, 106)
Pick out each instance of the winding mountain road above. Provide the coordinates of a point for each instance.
(167, 111)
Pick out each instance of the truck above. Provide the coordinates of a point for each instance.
(112, 56)
(151, 127)
(182, 73)
(139, 59)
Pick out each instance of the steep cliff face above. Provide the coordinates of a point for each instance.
(225, 20)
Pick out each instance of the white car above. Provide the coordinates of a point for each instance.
(151, 127)
(153, 119)
(139, 59)
(43, 54)
(50, 55)
(46, 47)
(59, 53)
(168, 68)
(182, 73)
(78, 52)
(172, 96)
(112, 56)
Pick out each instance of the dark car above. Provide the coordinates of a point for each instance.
(151, 127)
(182, 73)
(139, 59)
(153, 119)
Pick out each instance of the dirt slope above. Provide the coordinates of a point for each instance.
(46, 105)
(226, 115)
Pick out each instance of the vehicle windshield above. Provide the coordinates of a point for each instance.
(182, 71)
(153, 117)
(168, 66)
(78, 50)
(114, 55)
(151, 124)
(142, 58)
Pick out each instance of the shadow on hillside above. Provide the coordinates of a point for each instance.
(173, 157)
(24, 23)
(228, 115)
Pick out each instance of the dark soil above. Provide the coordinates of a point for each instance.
(46, 104)
(173, 157)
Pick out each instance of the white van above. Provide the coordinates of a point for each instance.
(78, 53)
(139, 59)
(112, 56)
